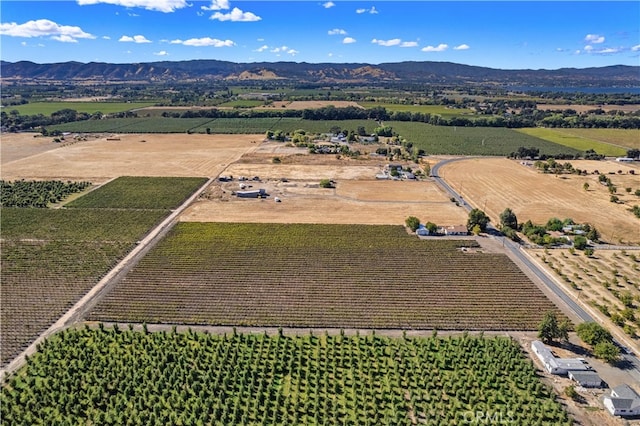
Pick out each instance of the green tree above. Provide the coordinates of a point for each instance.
(585, 186)
(607, 351)
(326, 183)
(580, 242)
(593, 333)
(477, 217)
(508, 219)
(412, 223)
(431, 227)
(549, 329)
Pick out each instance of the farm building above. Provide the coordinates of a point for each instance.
(422, 231)
(455, 230)
(586, 379)
(623, 401)
(255, 193)
(559, 366)
(624, 159)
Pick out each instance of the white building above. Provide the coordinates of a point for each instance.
(623, 401)
(559, 366)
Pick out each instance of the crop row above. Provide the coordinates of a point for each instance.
(109, 376)
(322, 276)
(128, 192)
(51, 257)
(33, 193)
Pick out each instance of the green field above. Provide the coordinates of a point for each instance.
(625, 138)
(580, 143)
(337, 276)
(472, 140)
(425, 109)
(47, 108)
(128, 192)
(107, 376)
(50, 258)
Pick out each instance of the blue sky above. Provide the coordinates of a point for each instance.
(502, 34)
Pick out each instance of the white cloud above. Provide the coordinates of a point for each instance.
(635, 48)
(236, 15)
(439, 48)
(204, 42)
(462, 47)
(392, 42)
(409, 44)
(337, 31)
(217, 5)
(328, 4)
(161, 53)
(588, 48)
(348, 40)
(44, 28)
(608, 50)
(135, 39)
(106, 38)
(594, 38)
(165, 6)
(373, 10)
(284, 49)
(262, 48)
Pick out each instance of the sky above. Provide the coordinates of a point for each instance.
(497, 34)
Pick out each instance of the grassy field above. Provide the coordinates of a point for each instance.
(50, 258)
(47, 108)
(580, 143)
(625, 138)
(107, 376)
(140, 193)
(425, 109)
(340, 276)
(472, 140)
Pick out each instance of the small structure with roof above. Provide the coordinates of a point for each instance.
(623, 401)
(559, 366)
(586, 379)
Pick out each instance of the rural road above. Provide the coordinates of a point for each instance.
(516, 250)
(86, 303)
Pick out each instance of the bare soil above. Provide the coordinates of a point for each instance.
(493, 184)
(110, 156)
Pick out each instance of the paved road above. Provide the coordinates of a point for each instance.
(516, 250)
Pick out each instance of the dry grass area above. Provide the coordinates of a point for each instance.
(493, 184)
(122, 155)
(585, 108)
(602, 281)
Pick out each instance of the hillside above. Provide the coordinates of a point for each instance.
(301, 72)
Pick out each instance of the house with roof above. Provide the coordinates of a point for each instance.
(623, 401)
(586, 379)
(558, 366)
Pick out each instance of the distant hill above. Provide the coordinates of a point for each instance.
(330, 73)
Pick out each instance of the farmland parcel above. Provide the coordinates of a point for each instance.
(51, 258)
(340, 276)
(192, 378)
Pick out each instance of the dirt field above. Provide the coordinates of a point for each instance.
(493, 184)
(122, 155)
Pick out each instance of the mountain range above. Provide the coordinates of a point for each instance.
(319, 73)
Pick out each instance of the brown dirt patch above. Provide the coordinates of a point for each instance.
(493, 184)
(14, 146)
(126, 155)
